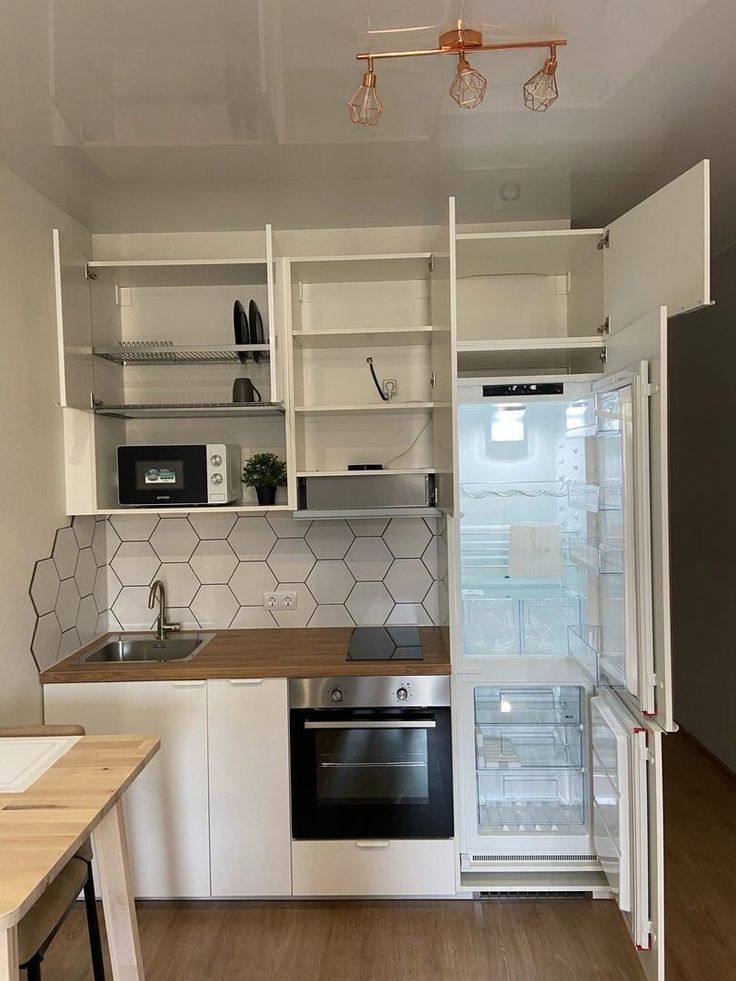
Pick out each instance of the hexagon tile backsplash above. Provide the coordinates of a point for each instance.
(216, 568)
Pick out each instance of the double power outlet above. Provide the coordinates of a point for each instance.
(285, 599)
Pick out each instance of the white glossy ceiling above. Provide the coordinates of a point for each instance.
(193, 91)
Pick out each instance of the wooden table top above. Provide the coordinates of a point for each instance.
(42, 827)
(308, 652)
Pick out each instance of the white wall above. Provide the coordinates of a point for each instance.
(703, 519)
(31, 475)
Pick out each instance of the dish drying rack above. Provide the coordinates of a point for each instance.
(126, 353)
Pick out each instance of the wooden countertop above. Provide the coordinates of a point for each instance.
(307, 652)
(42, 827)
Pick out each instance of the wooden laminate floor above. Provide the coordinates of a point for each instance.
(500, 940)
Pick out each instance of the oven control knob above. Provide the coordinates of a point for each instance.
(402, 694)
(216, 460)
(336, 695)
(216, 478)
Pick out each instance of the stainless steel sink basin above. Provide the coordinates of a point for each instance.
(143, 647)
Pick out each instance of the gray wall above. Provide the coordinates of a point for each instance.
(703, 515)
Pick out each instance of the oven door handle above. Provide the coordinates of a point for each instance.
(373, 724)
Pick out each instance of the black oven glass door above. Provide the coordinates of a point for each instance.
(371, 773)
(162, 475)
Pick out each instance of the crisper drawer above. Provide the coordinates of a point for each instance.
(374, 868)
(551, 705)
(530, 800)
(516, 746)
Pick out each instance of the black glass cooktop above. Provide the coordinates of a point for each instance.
(385, 644)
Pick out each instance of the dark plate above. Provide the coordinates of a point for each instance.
(242, 331)
(256, 329)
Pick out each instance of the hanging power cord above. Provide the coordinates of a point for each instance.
(411, 445)
(384, 396)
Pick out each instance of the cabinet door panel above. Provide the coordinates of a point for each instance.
(659, 252)
(249, 787)
(442, 297)
(646, 341)
(74, 325)
(166, 809)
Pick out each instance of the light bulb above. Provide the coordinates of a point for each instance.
(366, 106)
(541, 89)
(469, 86)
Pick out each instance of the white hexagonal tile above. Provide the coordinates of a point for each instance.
(250, 581)
(409, 613)
(135, 563)
(65, 552)
(435, 603)
(183, 616)
(130, 609)
(214, 607)
(46, 639)
(368, 527)
(105, 542)
(407, 537)
(174, 540)
(213, 561)
(84, 529)
(87, 620)
(408, 580)
(252, 538)
(67, 604)
(103, 624)
(330, 581)
(286, 526)
(107, 587)
(369, 604)
(330, 539)
(85, 572)
(210, 525)
(70, 642)
(305, 607)
(327, 615)
(291, 560)
(44, 586)
(250, 617)
(179, 581)
(134, 527)
(368, 559)
(435, 557)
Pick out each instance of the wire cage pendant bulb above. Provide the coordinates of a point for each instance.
(366, 107)
(469, 85)
(540, 91)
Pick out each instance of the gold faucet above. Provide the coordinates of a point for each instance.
(158, 591)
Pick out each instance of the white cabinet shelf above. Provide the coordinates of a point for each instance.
(524, 353)
(364, 473)
(390, 407)
(364, 337)
(197, 410)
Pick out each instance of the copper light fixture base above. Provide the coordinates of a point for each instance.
(460, 38)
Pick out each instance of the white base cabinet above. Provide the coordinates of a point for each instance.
(210, 815)
(167, 807)
(400, 867)
(249, 787)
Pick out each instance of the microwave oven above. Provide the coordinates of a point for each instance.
(175, 475)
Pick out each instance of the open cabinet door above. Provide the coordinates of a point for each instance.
(442, 281)
(658, 254)
(74, 325)
(628, 828)
(637, 358)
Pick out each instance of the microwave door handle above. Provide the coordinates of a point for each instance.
(373, 724)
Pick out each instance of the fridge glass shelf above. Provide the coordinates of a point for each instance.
(558, 705)
(518, 747)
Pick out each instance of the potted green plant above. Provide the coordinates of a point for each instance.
(265, 472)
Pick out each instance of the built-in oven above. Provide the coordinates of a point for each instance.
(371, 757)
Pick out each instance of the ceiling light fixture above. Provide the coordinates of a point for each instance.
(469, 85)
(366, 106)
(541, 89)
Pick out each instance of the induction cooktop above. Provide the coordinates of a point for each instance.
(385, 644)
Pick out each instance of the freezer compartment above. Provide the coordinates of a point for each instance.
(519, 747)
(531, 800)
(529, 626)
(557, 705)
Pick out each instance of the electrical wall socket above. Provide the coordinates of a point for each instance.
(390, 387)
(283, 600)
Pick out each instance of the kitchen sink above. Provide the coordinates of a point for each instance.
(127, 648)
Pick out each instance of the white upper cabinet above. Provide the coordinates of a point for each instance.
(74, 325)
(658, 254)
